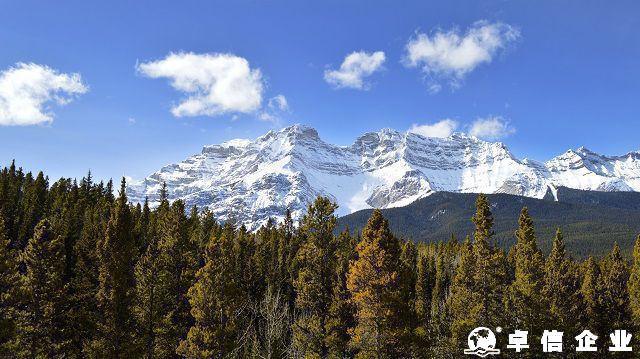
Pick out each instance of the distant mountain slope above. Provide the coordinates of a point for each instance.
(255, 180)
(591, 221)
(622, 200)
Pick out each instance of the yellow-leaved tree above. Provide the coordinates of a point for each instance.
(374, 285)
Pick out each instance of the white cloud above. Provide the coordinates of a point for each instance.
(491, 128)
(442, 128)
(268, 117)
(353, 70)
(279, 102)
(27, 92)
(448, 55)
(215, 83)
(276, 107)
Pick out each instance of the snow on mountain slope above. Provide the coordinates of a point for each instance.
(254, 180)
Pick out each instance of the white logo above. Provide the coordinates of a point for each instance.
(586, 342)
(482, 342)
(551, 341)
(620, 340)
(518, 340)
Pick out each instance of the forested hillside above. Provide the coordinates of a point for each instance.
(84, 273)
(591, 221)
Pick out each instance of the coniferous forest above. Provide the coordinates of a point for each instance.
(86, 274)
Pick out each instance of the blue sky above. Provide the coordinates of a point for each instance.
(562, 74)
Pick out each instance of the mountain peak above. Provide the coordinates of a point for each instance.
(585, 151)
(256, 180)
(300, 131)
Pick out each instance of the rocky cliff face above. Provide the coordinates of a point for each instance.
(255, 180)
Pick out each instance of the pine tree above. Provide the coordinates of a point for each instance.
(490, 268)
(34, 206)
(483, 220)
(42, 295)
(634, 285)
(285, 259)
(143, 227)
(267, 258)
(562, 288)
(615, 297)
(251, 282)
(464, 315)
(217, 312)
(291, 242)
(116, 291)
(164, 274)
(341, 311)
(525, 302)
(374, 284)
(208, 228)
(314, 281)
(478, 287)
(440, 317)
(83, 294)
(150, 306)
(591, 292)
(9, 284)
(407, 269)
(425, 282)
(182, 254)
(13, 195)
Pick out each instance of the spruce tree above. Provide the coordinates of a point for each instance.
(615, 297)
(341, 311)
(407, 269)
(42, 294)
(215, 306)
(483, 220)
(150, 306)
(314, 280)
(525, 302)
(182, 253)
(207, 229)
(490, 268)
(374, 285)
(464, 314)
(591, 292)
(84, 314)
(478, 287)
(164, 274)
(285, 259)
(562, 288)
(266, 258)
(252, 284)
(116, 258)
(634, 285)
(13, 195)
(9, 284)
(292, 240)
(142, 227)
(440, 323)
(33, 206)
(425, 282)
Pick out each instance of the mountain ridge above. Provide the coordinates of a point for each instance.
(254, 180)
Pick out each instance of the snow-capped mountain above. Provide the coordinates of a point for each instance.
(255, 180)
